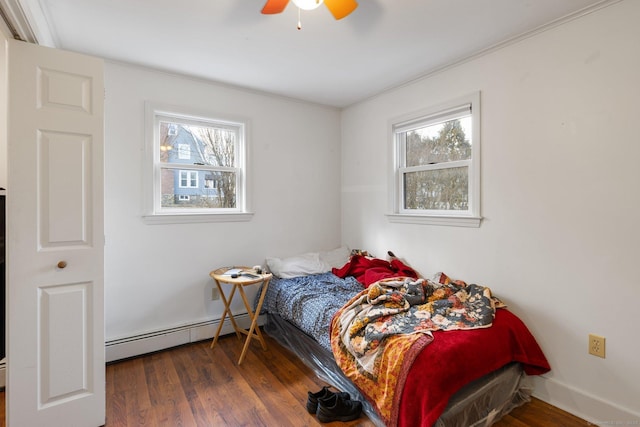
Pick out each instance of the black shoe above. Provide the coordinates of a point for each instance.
(312, 401)
(335, 408)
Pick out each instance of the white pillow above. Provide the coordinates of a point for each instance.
(336, 258)
(300, 265)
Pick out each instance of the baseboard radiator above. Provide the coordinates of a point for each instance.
(137, 345)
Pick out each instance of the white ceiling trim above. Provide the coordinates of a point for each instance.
(513, 40)
(27, 21)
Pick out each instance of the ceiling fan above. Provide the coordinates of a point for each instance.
(338, 8)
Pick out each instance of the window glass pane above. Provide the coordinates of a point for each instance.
(198, 189)
(440, 189)
(440, 142)
(187, 143)
(184, 151)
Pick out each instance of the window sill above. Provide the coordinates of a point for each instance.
(196, 218)
(454, 221)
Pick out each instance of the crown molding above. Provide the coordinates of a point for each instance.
(27, 21)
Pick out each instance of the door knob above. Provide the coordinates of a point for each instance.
(62, 264)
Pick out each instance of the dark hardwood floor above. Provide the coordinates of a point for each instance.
(193, 385)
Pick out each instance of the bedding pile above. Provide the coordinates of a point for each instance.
(407, 368)
(367, 270)
(407, 306)
(454, 359)
(406, 310)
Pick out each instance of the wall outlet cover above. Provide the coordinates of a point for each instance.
(597, 345)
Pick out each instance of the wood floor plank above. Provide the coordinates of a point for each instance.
(165, 391)
(510, 421)
(237, 391)
(216, 388)
(196, 386)
(116, 406)
(539, 414)
(288, 368)
(133, 380)
(2, 409)
(194, 381)
(283, 406)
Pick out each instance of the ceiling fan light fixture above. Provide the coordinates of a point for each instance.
(338, 8)
(341, 8)
(307, 4)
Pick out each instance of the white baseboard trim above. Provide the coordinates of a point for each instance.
(137, 345)
(581, 404)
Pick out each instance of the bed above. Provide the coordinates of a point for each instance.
(452, 378)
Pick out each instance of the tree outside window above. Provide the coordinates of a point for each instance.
(438, 187)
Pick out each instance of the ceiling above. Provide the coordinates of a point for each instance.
(382, 44)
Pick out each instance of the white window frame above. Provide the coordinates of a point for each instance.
(154, 213)
(432, 115)
(192, 176)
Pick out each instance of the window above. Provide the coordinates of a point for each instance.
(188, 179)
(196, 167)
(184, 151)
(437, 164)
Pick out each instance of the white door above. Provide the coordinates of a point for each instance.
(55, 239)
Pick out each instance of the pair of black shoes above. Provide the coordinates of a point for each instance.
(329, 406)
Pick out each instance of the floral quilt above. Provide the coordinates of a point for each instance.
(379, 332)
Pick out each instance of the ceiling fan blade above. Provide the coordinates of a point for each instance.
(341, 8)
(274, 6)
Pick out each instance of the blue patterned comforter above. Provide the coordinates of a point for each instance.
(309, 302)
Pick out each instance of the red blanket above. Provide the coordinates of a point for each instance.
(455, 358)
(370, 270)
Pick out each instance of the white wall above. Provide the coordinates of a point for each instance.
(157, 276)
(560, 236)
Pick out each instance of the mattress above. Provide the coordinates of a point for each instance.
(479, 403)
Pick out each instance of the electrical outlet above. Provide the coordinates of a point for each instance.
(215, 294)
(596, 345)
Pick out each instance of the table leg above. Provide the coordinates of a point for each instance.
(254, 320)
(236, 328)
(227, 310)
(265, 285)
